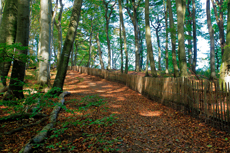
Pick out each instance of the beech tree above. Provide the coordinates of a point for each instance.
(219, 15)
(148, 40)
(19, 63)
(225, 65)
(0, 12)
(44, 43)
(166, 37)
(194, 36)
(124, 36)
(59, 28)
(211, 34)
(180, 6)
(108, 13)
(99, 51)
(8, 30)
(173, 39)
(134, 19)
(70, 37)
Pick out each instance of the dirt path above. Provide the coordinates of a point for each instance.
(145, 125)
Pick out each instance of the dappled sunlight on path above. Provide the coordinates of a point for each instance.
(147, 126)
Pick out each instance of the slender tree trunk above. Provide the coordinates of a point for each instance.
(76, 50)
(52, 28)
(59, 27)
(107, 18)
(173, 39)
(148, 40)
(124, 35)
(70, 37)
(121, 48)
(108, 43)
(194, 36)
(99, 51)
(225, 65)
(0, 12)
(136, 32)
(159, 50)
(181, 5)
(189, 24)
(141, 50)
(166, 37)
(8, 31)
(18, 71)
(211, 34)
(72, 56)
(90, 42)
(220, 23)
(44, 44)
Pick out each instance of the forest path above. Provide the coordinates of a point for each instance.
(145, 125)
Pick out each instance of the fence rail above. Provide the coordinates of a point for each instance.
(208, 101)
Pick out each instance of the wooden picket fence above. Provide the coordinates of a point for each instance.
(205, 100)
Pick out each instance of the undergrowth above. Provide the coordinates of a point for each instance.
(88, 128)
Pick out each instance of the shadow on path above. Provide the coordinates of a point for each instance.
(145, 125)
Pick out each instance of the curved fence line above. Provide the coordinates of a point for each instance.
(202, 99)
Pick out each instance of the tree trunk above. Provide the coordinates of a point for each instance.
(225, 65)
(72, 56)
(189, 24)
(141, 50)
(147, 66)
(194, 36)
(159, 50)
(121, 47)
(173, 39)
(0, 12)
(107, 18)
(220, 23)
(90, 42)
(134, 20)
(136, 33)
(70, 37)
(124, 35)
(148, 40)
(75, 57)
(167, 39)
(44, 44)
(18, 71)
(108, 43)
(180, 6)
(59, 28)
(211, 34)
(8, 31)
(52, 28)
(99, 51)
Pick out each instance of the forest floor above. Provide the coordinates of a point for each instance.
(105, 116)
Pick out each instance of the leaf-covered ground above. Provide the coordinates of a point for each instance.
(106, 116)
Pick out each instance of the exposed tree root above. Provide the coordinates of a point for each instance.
(43, 133)
(24, 126)
(25, 115)
(4, 89)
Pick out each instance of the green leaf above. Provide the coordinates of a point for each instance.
(226, 139)
(209, 146)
